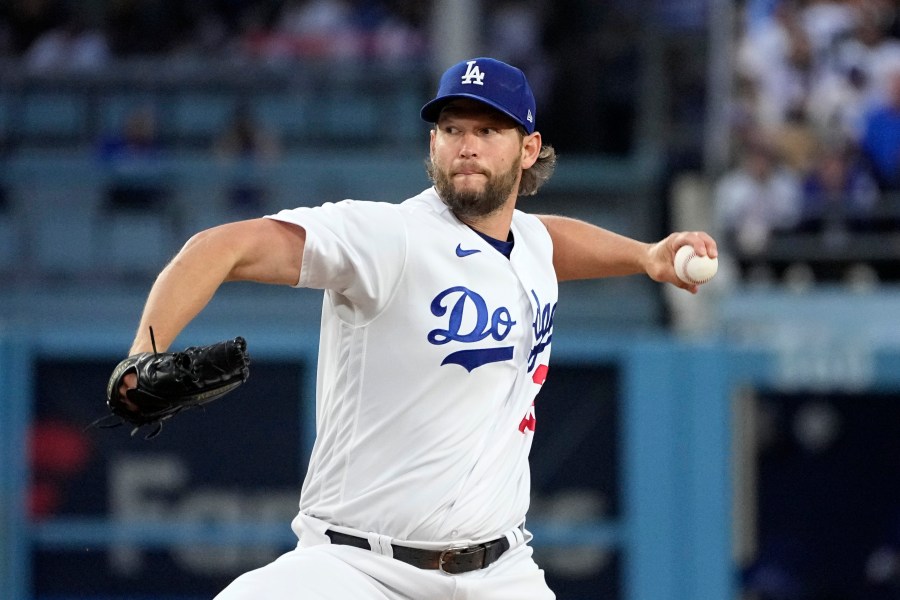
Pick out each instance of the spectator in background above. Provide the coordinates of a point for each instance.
(133, 159)
(871, 48)
(315, 17)
(244, 145)
(339, 29)
(837, 103)
(883, 564)
(138, 140)
(839, 195)
(320, 28)
(756, 198)
(825, 23)
(796, 140)
(71, 46)
(245, 138)
(29, 19)
(856, 75)
(514, 31)
(396, 28)
(881, 136)
(777, 57)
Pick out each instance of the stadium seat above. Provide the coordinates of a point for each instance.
(56, 115)
(348, 115)
(199, 115)
(287, 115)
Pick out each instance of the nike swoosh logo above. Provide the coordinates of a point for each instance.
(461, 253)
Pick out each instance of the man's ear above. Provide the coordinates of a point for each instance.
(431, 142)
(531, 149)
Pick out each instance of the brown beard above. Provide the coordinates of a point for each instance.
(468, 205)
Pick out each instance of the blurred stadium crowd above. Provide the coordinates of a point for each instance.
(50, 34)
(816, 138)
(578, 54)
(103, 93)
(812, 188)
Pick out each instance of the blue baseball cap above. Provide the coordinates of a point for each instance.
(490, 81)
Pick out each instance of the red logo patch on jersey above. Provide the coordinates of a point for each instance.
(529, 421)
(539, 377)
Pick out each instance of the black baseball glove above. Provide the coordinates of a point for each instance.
(169, 382)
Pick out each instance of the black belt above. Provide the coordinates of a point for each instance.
(451, 560)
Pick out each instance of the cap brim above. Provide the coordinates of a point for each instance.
(432, 111)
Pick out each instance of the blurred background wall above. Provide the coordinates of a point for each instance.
(740, 443)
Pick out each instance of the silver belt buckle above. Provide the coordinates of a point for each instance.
(449, 552)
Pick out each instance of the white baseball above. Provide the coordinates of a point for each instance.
(692, 268)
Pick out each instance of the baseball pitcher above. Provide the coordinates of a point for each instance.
(436, 335)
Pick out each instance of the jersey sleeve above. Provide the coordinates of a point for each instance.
(355, 248)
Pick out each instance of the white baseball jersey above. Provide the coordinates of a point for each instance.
(433, 348)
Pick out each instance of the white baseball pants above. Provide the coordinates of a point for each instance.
(318, 570)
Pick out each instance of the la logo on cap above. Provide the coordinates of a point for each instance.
(505, 90)
(473, 74)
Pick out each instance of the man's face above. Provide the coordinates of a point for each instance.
(476, 158)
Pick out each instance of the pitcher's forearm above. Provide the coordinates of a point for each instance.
(181, 291)
(261, 250)
(584, 251)
(168, 318)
